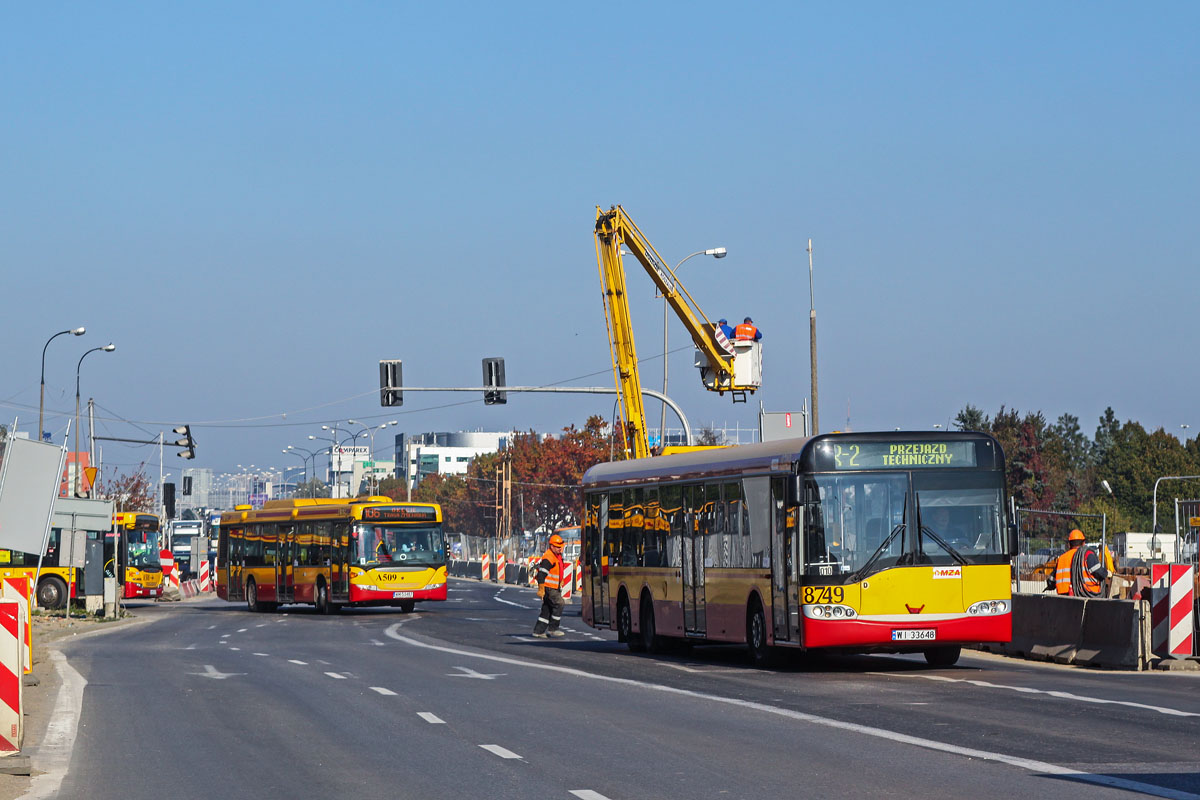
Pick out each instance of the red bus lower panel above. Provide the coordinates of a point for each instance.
(359, 594)
(854, 633)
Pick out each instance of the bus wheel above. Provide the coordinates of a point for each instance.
(650, 640)
(407, 606)
(756, 637)
(252, 603)
(52, 593)
(943, 656)
(625, 626)
(322, 601)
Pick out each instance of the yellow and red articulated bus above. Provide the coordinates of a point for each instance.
(366, 551)
(140, 541)
(854, 542)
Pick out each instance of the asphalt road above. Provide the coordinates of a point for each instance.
(457, 700)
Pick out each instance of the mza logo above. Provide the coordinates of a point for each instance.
(953, 573)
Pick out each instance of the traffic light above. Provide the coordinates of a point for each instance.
(187, 485)
(187, 442)
(169, 499)
(391, 379)
(493, 379)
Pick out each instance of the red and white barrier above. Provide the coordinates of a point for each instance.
(1171, 596)
(205, 578)
(501, 565)
(12, 633)
(531, 570)
(485, 563)
(578, 577)
(568, 584)
(21, 590)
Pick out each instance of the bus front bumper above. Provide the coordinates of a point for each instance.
(892, 634)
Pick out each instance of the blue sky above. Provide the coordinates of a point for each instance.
(257, 202)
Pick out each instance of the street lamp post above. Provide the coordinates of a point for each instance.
(715, 252)
(108, 348)
(42, 400)
(373, 432)
(352, 438)
(1154, 500)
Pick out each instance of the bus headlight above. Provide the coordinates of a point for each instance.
(829, 612)
(989, 607)
(435, 585)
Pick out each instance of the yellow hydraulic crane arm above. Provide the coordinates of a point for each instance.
(614, 228)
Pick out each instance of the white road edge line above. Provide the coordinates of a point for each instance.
(431, 718)
(53, 755)
(383, 690)
(1082, 698)
(1016, 761)
(500, 751)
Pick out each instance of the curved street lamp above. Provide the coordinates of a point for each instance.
(42, 401)
(715, 252)
(108, 348)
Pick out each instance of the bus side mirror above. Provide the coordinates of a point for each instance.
(1013, 538)
(795, 492)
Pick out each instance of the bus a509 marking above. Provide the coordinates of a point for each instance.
(368, 551)
(864, 542)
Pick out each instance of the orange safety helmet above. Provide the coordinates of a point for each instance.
(1075, 536)
(556, 540)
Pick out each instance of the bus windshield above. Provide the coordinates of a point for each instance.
(383, 545)
(866, 522)
(143, 549)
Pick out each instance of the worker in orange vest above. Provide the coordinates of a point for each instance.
(1082, 578)
(747, 331)
(549, 577)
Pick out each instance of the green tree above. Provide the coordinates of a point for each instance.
(130, 492)
(972, 419)
(313, 487)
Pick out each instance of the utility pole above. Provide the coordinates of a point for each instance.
(92, 446)
(812, 338)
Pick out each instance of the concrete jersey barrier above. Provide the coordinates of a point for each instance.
(1094, 632)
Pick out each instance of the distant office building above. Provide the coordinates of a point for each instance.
(443, 453)
(201, 484)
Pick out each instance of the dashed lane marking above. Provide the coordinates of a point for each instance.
(297, 661)
(1029, 764)
(235, 648)
(432, 719)
(242, 630)
(383, 690)
(262, 654)
(588, 794)
(336, 675)
(377, 643)
(500, 751)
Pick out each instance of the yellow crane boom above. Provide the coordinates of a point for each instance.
(614, 228)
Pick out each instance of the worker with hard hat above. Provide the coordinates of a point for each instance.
(747, 331)
(549, 577)
(1078, 572)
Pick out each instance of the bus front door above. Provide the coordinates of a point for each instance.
(597, 559)
(233, 569)
(285, 576)
(782, 561)
(692, 557)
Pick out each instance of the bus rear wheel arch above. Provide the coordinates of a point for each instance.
(52, 592)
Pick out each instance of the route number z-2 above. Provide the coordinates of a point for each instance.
(823, 594)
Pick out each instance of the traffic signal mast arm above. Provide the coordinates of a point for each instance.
(614, 228)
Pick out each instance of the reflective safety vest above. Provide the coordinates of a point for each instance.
(553, 571)
(1062, 574)
(745, 331)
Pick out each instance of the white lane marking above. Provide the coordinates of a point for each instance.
(235, 648)
(190, 647)
(322, 661)
(261, 625)
(335, 675)
(500, 751)
(470, 673)
(224, 635)
(210, 627)
(297, 661)
(1174, 712)
(383, 691)
(377, 643)
(500, 599)
(242, 630)
(432, 719)
(262, 654)
(704, 670)
(881, 733)
(212, 672)
(588, 794)
(53, 754)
